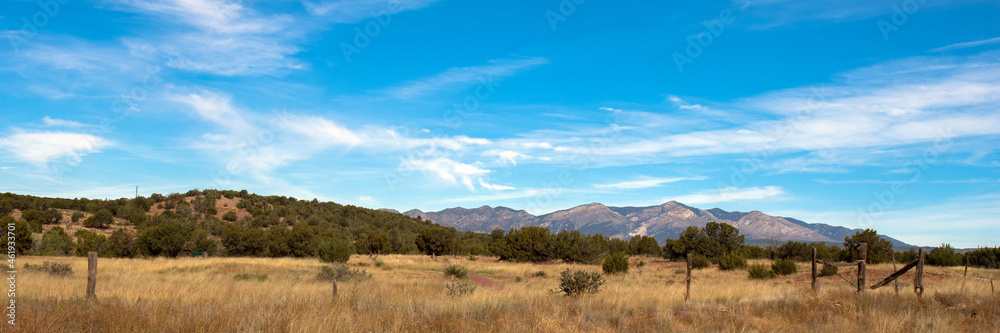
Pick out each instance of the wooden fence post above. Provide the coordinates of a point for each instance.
(895, 283)
(815, 284)
(335, 288)
(687, 293)
(862, 266)
(91, 274)
(918, 280)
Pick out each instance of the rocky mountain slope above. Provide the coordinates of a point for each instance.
(664, 221)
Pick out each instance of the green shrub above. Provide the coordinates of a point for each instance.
(700, 261)
(828, 270)
(251, 276)
(540, 274)
(342, 273)
(615, 263)
(460, 288)
(760, 272)
(53, 268)
(732, 261)
(457, 271)
(518, 278)
(76, 217)
(784, 267)
(580, 282)
(334, 250)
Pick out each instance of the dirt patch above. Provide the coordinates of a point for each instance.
(485, 282)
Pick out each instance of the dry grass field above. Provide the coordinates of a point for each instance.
(409, 294)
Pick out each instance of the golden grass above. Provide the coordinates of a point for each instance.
(408, 293)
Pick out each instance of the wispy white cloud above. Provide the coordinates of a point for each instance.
(495, 187)
(41, 148)
(645, 182)
(349, 11)
(218, 37)
(462, 77)
(60, 122)
(730, 194)
(964, 45)
(448, 170)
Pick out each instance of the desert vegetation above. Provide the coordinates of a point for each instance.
(273, 263)
(413, 293)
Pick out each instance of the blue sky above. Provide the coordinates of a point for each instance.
(866, 114)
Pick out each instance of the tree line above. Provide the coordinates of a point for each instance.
(277, 226)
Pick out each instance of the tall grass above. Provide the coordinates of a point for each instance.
(201, 295)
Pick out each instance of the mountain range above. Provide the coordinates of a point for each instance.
(663, 221)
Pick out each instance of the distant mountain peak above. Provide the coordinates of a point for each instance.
(663, 221)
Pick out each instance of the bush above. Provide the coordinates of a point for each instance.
(828, 270)
(335, 250)
(539, 274)
(615, 263)
(700, 261)
(76, 217)
(342, 273)
(760, 272)
(784, 267)
(457, 271)
(53, 268)
(460, 288)
(102, 219)
(56, 242)
(229, 216)
(944, 256)
(580, 282)
(732, 261)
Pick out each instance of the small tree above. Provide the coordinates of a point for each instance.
(732, 261)
(760, 272)
(22, 234)
(102, 219)
(76, 217)
(784, 267)
(944, 256)
(580, 282)
(335, 250)
(52, 216)
(615, 263)
(879, 249)
(229, 216)
(87, 241)
(436, 241)
(56, 242)
(121, 244)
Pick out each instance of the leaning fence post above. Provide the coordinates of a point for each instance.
(687, 293)
(862, 266)
(918, 280)
(815, 284)
(91, 274)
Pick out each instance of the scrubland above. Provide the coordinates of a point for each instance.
(409, 293)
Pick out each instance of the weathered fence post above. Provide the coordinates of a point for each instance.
(895, 283)
(862, 266)
(91, 274)
(335, 288)
(815, 284)
(918, 280)
(687, 293)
